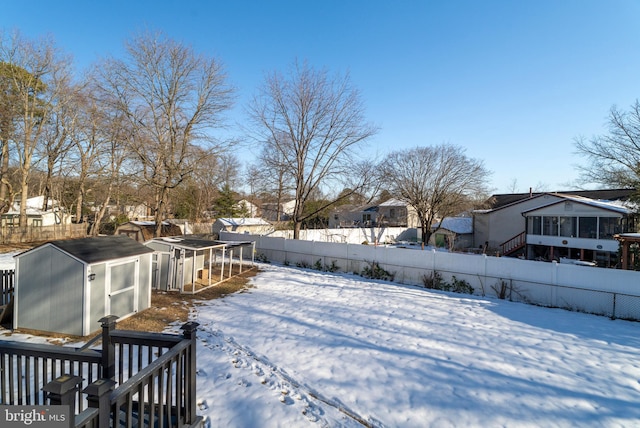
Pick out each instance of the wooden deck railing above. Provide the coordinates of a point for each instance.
(513, 244)
(137, 379)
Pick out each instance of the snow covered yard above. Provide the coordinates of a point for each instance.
(304, 348)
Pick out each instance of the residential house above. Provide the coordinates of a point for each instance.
(247, 208)
(257, 226)
(36, 216)
(272, 211)
(391, 213)
(556, 226)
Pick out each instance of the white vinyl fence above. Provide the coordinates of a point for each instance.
(610, 292)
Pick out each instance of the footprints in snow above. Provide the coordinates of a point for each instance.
(267, 374)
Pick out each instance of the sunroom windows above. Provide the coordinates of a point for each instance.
(575, 227)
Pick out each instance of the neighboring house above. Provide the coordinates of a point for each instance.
(67, 286)
(455, 233)
(270, 211)
(183, 224)
(395, 213)
(143, 231)
(494, 227)
(556, 226)
(352, 216)
(391, 213)
(576, 228)
(36, 216)
(257, 226)
(246, 207)
(137, 212)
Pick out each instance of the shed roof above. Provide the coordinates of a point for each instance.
(99, 249)
(199, 243)
(459, 225)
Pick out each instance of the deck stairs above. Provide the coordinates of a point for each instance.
(511, 246)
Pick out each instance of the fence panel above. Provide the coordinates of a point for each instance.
(16, 234)
(611, 292)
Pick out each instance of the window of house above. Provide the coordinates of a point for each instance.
(550, 226)
(392, 213)
(366, 218)
(37, 222)
(588, 227)
(535, 225)
(569, 226)
(608, 227)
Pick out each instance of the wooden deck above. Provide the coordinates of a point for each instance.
(136, 379)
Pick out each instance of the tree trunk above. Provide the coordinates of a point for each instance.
(4, 183)
(160, 207)
(297, 225)
(24, 186)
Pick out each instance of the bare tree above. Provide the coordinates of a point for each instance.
(313, 122)
(172, 98)
(614, 158)
(56, 142)
(437, 181)
(270, 175)
(39, 75)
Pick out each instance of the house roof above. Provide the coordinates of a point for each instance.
(500, 200)
(393, 203)
(244, 221)
(34, 206)
(98, 249)
(615, 206)
(459, 225)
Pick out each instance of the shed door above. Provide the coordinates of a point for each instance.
(122, 288)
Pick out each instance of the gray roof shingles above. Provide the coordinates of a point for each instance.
(102, 248)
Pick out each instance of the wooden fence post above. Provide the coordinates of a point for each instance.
(189, 332)
(108, 324)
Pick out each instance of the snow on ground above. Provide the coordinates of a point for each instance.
(304, 348)
(7, 261)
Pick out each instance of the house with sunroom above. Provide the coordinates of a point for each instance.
(577, 228)
(556, 226)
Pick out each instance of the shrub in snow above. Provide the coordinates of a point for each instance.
(375, 271)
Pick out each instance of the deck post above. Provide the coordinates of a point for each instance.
(108, 324)
(98, 397)
(62, 391)
(189, 332)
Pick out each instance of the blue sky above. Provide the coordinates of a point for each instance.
(513, 82)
